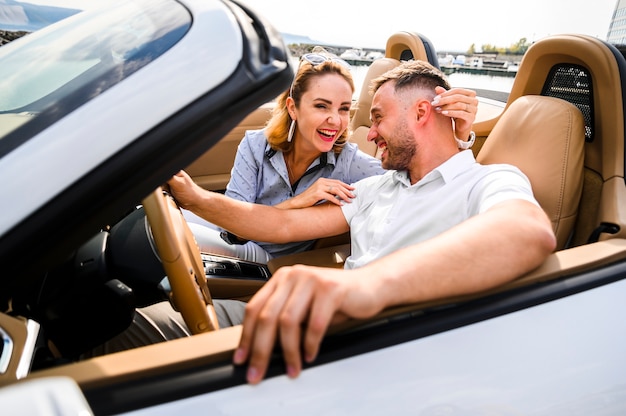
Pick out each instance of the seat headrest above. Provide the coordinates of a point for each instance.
(405, 45)
(544, 138)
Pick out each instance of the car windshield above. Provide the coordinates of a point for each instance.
(42, 79)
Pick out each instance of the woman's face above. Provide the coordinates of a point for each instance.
(324, 112)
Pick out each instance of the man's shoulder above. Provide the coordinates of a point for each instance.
(498, 167)
(384, 179)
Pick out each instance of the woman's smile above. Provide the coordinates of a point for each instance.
(327, 135)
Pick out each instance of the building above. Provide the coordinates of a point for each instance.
(617, 28)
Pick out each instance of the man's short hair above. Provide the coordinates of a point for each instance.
(415, 74)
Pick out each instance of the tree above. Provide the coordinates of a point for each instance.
(518, 48)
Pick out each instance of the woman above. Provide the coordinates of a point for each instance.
(303, 157)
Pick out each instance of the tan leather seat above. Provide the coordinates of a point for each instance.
(587, 72)
(544, 137)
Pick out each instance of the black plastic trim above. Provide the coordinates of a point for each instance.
(431, 52)
(620, 59)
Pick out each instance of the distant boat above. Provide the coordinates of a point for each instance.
(446, 60)
(373, 55)
(512, 68)
(459, 60)
(356, 56)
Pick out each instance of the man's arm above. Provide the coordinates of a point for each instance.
(298, 303)
(508, 240)
(255, 221)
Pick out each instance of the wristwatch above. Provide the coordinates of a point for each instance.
(466, 144)
(232, 239)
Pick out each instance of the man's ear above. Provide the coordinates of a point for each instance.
(423, 110)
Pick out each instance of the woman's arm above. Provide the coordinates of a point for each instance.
(255, 221)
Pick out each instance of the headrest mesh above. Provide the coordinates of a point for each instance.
(573, 83)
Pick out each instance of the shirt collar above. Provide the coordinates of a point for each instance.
(456, 165)
(331, 157)
(448, 170)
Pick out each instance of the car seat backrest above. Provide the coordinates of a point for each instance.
(544, 138)
(400, 46)
(589, 73)
(552, 158)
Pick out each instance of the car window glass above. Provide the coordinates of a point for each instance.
(53, 75)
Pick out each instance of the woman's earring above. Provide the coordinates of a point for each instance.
(292, 128)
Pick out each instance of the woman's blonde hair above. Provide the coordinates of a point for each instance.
(277, 127)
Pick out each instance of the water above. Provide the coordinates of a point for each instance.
(458, 79)
(482, 82)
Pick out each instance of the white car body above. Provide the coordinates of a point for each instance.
(549, 346)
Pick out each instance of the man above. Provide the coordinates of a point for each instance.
(437, 225)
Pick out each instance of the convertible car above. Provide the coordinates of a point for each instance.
(99, 110)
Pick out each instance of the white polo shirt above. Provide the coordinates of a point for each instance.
(389, 213)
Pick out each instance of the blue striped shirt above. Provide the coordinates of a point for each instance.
(259, 175)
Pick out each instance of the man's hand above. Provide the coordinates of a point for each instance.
(298, 303)
(299, 299)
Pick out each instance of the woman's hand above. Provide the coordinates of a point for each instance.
(460, 104)
(331, 190)
(184, 190)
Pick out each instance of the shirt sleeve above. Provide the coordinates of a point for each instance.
(508, 183)
(365, 191)
(243, 176)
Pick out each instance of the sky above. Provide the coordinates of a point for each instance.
(450, 25)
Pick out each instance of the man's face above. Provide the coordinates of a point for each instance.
(390, 130)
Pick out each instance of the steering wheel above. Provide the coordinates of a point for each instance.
(181, 259)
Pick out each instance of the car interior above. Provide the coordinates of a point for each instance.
(582, 192)
(563, 126)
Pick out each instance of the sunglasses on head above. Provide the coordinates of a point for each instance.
(317, 59)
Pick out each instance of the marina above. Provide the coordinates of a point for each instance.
(501, 72)
(491, 64)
